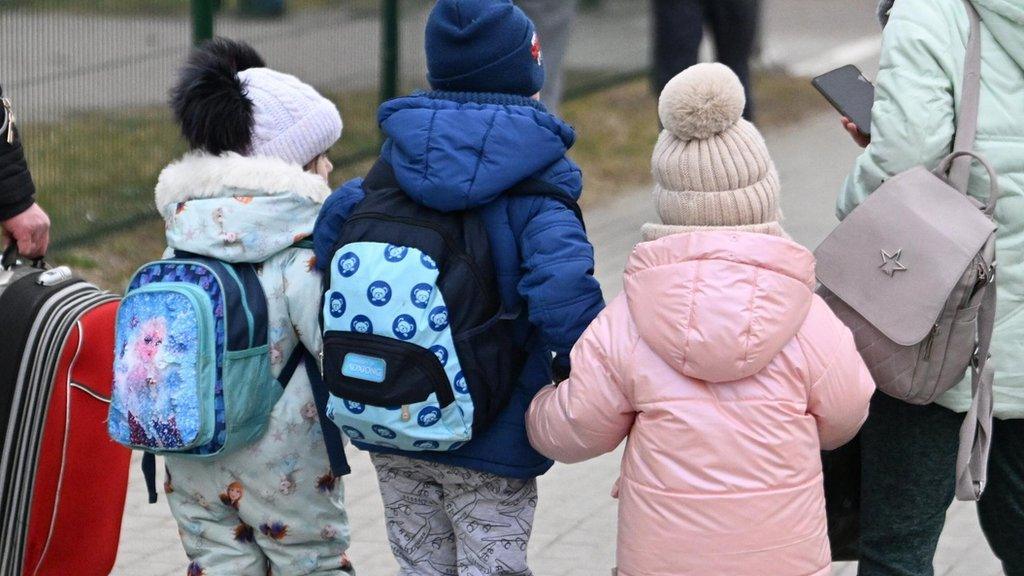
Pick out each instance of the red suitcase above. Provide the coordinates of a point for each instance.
(63, 481)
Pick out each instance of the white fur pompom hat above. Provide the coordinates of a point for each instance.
(711, 167)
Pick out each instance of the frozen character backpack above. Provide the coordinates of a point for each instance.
(192, 364)
(417, 347)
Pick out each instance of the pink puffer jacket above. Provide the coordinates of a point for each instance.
(728, 375)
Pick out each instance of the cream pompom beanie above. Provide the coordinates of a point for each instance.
(711, 167)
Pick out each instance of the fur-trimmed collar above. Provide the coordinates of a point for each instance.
(203, 175)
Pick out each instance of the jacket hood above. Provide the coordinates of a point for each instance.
(456, 151)
(727, 302)
(237, 208)
(1005, 20)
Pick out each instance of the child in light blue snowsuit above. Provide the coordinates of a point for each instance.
(250, 191)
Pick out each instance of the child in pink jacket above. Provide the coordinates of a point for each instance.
(724, 370)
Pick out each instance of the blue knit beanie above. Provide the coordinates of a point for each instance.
(483, 46)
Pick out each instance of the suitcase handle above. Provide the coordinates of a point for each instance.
(10, 259)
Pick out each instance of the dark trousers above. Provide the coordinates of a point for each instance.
(679, 29)
(908, 482)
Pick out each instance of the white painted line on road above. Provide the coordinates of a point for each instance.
(865, 48)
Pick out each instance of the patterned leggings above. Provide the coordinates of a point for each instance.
(449, 521)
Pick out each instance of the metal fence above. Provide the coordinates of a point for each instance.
(90, 80)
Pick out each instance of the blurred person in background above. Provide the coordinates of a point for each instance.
(679, 30)
(554, 19)
(24, 223)
(909, 452)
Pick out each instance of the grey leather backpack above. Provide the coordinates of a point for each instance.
(912, 272)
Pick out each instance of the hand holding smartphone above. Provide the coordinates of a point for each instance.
(851, 94)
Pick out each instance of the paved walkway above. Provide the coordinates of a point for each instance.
(575, 528)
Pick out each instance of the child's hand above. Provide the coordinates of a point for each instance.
(861, 139)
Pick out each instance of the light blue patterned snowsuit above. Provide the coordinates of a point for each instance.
(273, 505)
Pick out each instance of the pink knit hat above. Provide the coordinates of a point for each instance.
(291, 120)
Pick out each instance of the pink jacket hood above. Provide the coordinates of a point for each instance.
(694, 323)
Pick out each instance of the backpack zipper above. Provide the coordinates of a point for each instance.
(931, 340)
(406, 414)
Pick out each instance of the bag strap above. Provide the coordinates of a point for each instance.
(976, 431)
(967, 125)
(994, 190)
(291, 365)
(333, 441)
(332, 435)
(149, 475)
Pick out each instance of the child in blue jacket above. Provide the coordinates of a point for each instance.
(479, 133)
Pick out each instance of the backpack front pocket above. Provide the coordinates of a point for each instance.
(392, 394)
(165, 369)
(382, 371)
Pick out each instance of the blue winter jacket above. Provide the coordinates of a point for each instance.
(463, 151)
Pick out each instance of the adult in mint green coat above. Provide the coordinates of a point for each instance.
(910, 451)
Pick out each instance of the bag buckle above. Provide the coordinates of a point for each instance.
(976, 358)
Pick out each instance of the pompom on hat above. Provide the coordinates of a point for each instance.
(227, 100)
(711, 167)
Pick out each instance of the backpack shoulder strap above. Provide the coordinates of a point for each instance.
(149, 475)
(976, 430)
(332, 435)
(967, 124)
(538, 187)
(297, 356)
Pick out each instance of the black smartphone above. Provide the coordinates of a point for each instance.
(850, 93)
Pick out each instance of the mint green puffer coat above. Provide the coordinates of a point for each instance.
(913, 123)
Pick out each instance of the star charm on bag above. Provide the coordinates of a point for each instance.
(891, 263)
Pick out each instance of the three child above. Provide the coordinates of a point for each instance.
(718, 362)
(257, 140)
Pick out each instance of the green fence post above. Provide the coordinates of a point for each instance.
(389, 38)
(202, 20)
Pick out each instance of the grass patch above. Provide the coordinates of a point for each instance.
(95, 168)
(617, 131)
(102, 167)
(111, 262)
(98, 169)
(618, 127)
